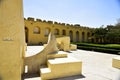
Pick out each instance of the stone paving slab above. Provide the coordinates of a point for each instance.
(96, 65)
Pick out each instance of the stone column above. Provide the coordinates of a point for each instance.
(12, 39)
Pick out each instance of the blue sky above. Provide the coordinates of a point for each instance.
(92, 13)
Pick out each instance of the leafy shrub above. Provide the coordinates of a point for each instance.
(99, 49)
(107, 48)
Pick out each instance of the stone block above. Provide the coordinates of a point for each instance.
(73, 47)
(61, 67)
(116, 62)
(64, 43)
(45, 45)
(50, 56)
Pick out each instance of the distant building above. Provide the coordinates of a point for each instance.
(37, 31)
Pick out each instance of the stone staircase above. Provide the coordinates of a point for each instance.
(60, 65)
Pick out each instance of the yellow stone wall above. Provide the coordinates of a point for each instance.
(116, 62)
(12, 39)
(36, 29)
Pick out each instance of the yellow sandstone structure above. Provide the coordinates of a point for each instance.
(35, 62)
(37, 31)
(63, 43)
(116, 62)
(12, 39)
(13, 46)
(61, 67)
(73, 47)
(51, 64)
(14, 30)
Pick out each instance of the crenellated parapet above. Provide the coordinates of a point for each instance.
(39, 20)
(74, 26)
(77, 25)
(30, 19)
(51, 22)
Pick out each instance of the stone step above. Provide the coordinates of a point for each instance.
(45, 73)
(60, 55)
(45, 70)
(62, 67)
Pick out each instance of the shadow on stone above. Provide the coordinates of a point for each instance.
(72, 77)
(27, 75)
(69, 51)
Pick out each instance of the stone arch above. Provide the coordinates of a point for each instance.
(77, 36)
(26, 34)
(36, 30)
(71, 35)
(56, 31)
(88, 36)
(63, 32)
(83, 36)
(47, 31)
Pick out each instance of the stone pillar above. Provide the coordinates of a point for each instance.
(12, 39)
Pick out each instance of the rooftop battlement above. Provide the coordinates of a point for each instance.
(56, 23)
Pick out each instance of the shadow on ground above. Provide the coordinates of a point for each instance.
(72, 77)
(26, 75)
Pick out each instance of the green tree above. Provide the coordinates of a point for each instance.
(100, 33)
(109, 34)
(113, 34)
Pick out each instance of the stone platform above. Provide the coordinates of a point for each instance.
(96, 65)
(61, 67)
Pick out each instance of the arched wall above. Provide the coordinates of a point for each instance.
(36, 30)
(56, 32)
(83, 36)
(77, 36)
(26, 34)
(63, 32)
(71, 35)
(59, 29)
(88, 36)
(47, 31)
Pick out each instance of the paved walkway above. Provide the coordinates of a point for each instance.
(96, 65)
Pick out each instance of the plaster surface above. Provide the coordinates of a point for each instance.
(12, 39)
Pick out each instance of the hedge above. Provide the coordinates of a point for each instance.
(113, 51)
(106, 46)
